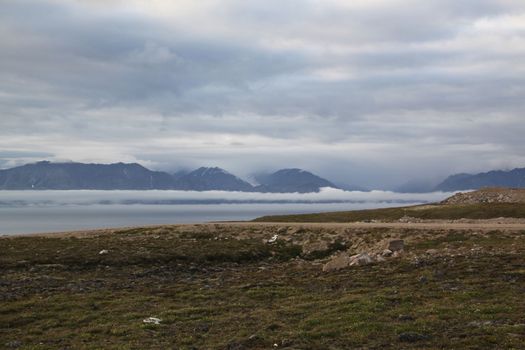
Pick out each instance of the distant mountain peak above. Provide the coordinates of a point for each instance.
(206, 171)
(292, 180)
(212, 178)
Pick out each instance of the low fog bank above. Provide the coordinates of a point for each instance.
(158, 197)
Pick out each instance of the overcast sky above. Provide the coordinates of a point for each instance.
(369, 92)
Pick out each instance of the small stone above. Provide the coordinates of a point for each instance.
(152, 320)
(396, 245)
(103, 252)
(412, 337)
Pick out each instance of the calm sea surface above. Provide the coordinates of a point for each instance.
(52, 211)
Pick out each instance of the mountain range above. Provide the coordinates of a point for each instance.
(46, 175)
(460, 182)
(121, 176)
(497, 178)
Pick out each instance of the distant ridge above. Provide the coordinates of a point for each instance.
(122, 176)
(292, 180)
(498, 178)
(205, 179)
(64, 176)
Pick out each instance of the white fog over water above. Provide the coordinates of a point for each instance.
(50, 211)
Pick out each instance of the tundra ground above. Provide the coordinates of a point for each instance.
(223, 286)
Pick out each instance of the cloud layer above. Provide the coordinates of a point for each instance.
(373, 199)
(371, 92)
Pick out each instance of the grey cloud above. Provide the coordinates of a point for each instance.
(363, 92)
(24, 154)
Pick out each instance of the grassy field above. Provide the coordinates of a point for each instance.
(214, 288)
(434, 212)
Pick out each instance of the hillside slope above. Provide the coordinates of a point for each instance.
(483, 204)
(488, 195)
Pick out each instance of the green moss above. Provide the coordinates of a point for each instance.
(227, 293)
(435, 212)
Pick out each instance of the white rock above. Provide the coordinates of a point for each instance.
(152, 320)
(273, 239)
(103, 252)
(361, 259)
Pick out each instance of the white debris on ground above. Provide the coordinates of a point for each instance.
(103, 252)
(152, 320)
(273, 239)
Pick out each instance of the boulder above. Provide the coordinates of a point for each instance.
(338, 262)
(396, 245)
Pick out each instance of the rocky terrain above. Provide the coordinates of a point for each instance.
(487, 195)
(397, 285)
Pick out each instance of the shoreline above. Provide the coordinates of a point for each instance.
(482, 225)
